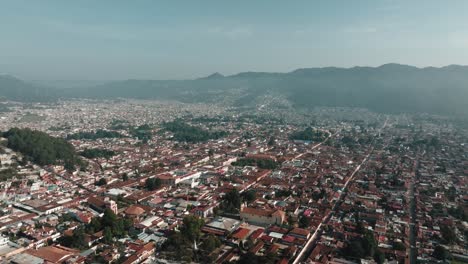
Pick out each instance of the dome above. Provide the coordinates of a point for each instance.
(134, 210)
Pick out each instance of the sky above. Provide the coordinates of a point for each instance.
(174, 39)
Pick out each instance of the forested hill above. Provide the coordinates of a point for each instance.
(41, 148)
(388, 88)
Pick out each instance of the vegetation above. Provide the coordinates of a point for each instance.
(210, 243)
(111, 225)
(362, 247)
(143, 132)
(251, 258)
(76, 240)
(441, 253)
(309, 134)
(448, 234)
(100, 133)
(187, 133)
(125, 177)
(42, 148)
(305, 222)
(231, 202)
(404, 89)
(152, 184)
(179, 244)
(458, 213)
(101, 182)
(7, 174)
(261, 163)
(97, 153)
(249, 196)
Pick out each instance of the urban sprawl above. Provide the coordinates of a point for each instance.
(139, 181)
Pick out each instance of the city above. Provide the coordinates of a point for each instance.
(166, 182)
(234, 132)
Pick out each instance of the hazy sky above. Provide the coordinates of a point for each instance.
(103, 40)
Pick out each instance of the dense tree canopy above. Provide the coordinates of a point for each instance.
(100, 133)
(232, 201)
(112, 225)
(191, 227)
(187, 133)
(309, 134)
(143, 132)
(261, 163)
(7, 174)
(101, 182)
(179, 244)
(250, 196)
(42, 148)
(152, 184)
(362, 247)
(440, 253)
(97, 153)
(210, 243)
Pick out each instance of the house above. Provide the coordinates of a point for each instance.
(299, 233)
(53, 254)
(141, 254)
(100, 204)
(221, 226)
(263, 216)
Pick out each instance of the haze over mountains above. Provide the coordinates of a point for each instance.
(388, 88)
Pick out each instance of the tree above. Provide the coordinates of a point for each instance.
(153, 184)
(440, 253)
(76, 240)
(94, 226)
(125, 177)
(97, 153)
(261, 163)
(211, 243)
(399, 246)
(249, 258)
(186, 133)
(304, 222)
(363, 247)
(250, 196)
(108, 236)
(42, 149)
(309, 134)
(100, 133)
(271, 141)
(101, 182)
(232, 201)
(379, 257)
(448, 234)
(191, 227)
(174, 241)
(109, 218)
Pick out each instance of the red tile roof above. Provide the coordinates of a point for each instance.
(241, 233)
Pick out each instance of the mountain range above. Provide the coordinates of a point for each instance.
(390, 88)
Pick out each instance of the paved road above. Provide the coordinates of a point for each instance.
(413, 251)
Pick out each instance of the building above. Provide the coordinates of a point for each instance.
(262, 216)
